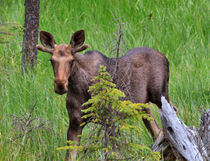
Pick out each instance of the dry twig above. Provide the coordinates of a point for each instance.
(24, 124)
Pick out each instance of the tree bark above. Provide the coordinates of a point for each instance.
(30, 37)
(205, 132)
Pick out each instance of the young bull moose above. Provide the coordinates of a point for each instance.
(142, 74)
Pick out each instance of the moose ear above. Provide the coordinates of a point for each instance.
(47, 40)
(77, 39)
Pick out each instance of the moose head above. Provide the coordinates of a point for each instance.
(62, 56)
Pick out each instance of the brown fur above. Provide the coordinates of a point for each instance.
(143, 75)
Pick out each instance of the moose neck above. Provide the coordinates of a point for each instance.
(85, 68)
(80, 77)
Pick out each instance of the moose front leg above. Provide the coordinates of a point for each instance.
(72, 135)
(73, 132)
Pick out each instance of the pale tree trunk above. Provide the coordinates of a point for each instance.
(30, 38)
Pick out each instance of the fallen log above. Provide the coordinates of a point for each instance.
(186, 143)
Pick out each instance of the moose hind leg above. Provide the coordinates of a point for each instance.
(166, 95)
(152, 126)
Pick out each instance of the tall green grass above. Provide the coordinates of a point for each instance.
(177, 28)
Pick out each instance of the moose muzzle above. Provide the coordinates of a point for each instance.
(60, 86)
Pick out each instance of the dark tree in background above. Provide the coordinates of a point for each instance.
(30, 37)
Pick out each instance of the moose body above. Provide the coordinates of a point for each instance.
(142, 74)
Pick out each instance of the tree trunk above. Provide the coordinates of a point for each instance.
(30, 37)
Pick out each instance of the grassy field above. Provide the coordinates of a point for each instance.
(178, 28)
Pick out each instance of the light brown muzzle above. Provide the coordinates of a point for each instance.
(60, 86)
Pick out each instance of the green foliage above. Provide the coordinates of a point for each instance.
(106, 104)
(116, 118)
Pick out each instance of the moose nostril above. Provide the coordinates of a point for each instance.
(60, 86)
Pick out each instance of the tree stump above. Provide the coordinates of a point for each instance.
(185, 142)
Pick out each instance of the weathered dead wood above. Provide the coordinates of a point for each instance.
(185, 142)
(205, 131)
